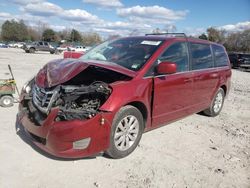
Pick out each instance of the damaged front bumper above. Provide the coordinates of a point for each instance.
(67, 139)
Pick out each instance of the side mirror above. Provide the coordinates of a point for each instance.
(166, 68)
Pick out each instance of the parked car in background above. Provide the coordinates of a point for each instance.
(234, 60)
(244, 62)
(107, 98)
(2, 45)
(16, 45)
(80, 48)
(240, 60)
(39, 46)
(62, 48)
(19, 45)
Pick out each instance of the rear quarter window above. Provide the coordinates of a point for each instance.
(220, 56)
(201, 56)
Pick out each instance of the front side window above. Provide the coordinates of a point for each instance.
(131, 53)
(176, 53)
(201, 56)
(220, 56)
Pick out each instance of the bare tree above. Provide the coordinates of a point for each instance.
(169, 28)
(156, 30)
(41, 27)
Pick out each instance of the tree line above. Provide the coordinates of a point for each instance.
(233, 41)
(18, 31)
(13, 30)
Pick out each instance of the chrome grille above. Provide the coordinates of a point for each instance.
(43, 99)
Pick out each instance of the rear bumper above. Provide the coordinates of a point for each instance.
(57, 138)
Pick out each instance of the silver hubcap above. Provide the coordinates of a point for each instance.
(126, 133)
(6, 101)
(218, 102)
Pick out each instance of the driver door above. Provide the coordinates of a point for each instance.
(173, 93)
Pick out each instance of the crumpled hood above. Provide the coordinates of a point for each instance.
(61, 70)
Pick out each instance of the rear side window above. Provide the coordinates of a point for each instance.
(220, 56)
(201, 56)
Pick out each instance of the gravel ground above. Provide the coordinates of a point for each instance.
(197, 151)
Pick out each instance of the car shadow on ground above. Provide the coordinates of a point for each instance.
(20, 131)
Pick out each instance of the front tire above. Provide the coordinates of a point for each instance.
(217, 104)
(126, 132)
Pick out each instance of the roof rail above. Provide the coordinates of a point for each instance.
(173, 34)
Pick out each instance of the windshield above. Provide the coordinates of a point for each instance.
(131, 53)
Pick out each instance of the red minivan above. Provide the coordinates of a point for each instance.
(105, 100)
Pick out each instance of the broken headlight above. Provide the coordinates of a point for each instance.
(27, 87)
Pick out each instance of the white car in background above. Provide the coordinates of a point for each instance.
(80, 48)
(16, 45)
(19, 45)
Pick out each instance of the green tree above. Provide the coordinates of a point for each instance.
(14, 31)
(203, 36)
(75, 36)
(64, 35)
(216, 35)
(49, 35)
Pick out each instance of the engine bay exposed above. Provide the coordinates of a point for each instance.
(82, 102)
(78, 98)
(74, 102)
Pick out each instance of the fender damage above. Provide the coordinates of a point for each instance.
(50, 106)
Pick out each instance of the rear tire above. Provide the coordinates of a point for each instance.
(217, 104)
(126, 132)
(6, 101)
(32, 50)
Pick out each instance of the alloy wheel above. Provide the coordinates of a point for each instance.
(126, 132)
(218, 102)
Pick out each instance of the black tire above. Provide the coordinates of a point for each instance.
(27, 51)
(52, 52)
(125, 113)
(6, 101)
(32, 50)
(215, 108)
(57, 52)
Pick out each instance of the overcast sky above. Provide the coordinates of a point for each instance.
(109, 17)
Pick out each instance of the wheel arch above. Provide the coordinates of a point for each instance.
(224, 87)
(142, 108)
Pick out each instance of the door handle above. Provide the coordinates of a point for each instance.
(214, 75)
(198, 78)
(188, 80)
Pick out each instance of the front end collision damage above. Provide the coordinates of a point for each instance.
(68, 116)
(78, 96)
(74, 102)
